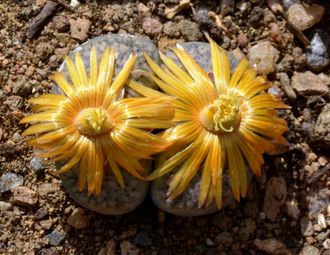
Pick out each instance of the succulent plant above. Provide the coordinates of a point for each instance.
(221, 122)
(212, 122)
(90, 124)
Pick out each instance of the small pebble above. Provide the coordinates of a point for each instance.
(56, 237)
(78, 219)
(256, 15)
(304, 17)
(293, 209)
(308, 83)
(144, 10)
(79, 28)
(306, 227)
(275, 32)
(309, 250)
(9, 180)
(37, 164)
(61, 23)
(190, 30)
(4, 206)
(323, 235)
(317, 54)
(318, 201)
(209, 242)
(322, 161)
(41, 213)
(171, 29)
(298, 58)
(151, 26)
(243, 5)
(317, 228)
(224, 238)
(321, 221)
(47, 188)
(310, 240)
(271, 246)
(326, 244)
(263, 57)
(322, 127)
(24, 196)
(286, 86)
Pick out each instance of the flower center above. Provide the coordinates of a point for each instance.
(223, 115)
(93, 121)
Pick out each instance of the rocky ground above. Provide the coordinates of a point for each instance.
(287, 209)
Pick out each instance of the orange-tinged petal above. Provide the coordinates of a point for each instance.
(81, 71)
(195, 71)
(249, 77)
(232, 168)
(239, 72)
(189, 168)
(176, 70)
(120, 81)
(254, 90)
(147, 123)
(93, 69)
(113, 165)
(42, 128)
(82, 179)
(66, 87)
(221, 68)
(80, 149)
(54, 135)
(211, 170)
(252, 156)
(91, 154)
(99, 166)
(260, 144)
(218, 191)
(73, 73)
(147, 108)
(144, 90)
(241, 169)
(66, 144)
(175, 87)
(266, 101)
(129, 163)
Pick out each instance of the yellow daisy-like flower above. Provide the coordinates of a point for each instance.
(90, 125)
(220, 124)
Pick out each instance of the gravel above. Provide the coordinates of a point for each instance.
(9, 181)
(263, 57)
(318, 55)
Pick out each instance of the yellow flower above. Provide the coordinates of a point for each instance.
(89, 124)
(220, 124)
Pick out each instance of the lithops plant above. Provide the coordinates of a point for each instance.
(89, 126)
(215, 113)
(225, 121)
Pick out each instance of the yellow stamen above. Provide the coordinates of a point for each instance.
(93, 121)
(223, 115)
